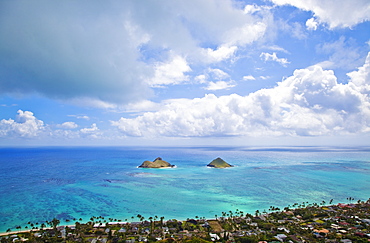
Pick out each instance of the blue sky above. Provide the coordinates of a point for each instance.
(210, 72)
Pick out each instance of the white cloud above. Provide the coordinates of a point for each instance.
(80, 117)
(276, 48)
(104, 56)
(273, 57)
(201, 78)
(216, 79)
(93, 102)
(309, 103)
(68, 50)
(343, 54)
(221, 53)
(25, 125)
(241, 36)
(67, 125)
(219, 85)
(217, 74)
(94, 128)
(144, 105)
(170, 73)
(361, 77)
(248, 77)
(312, 24)
(253, 8)
(334, 13)
(91, 132)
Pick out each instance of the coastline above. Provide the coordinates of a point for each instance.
(348, 221)
(75, 184)
(273, 210)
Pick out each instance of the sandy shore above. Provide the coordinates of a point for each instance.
(35, 230)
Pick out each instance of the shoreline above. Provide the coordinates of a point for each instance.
(257, 214)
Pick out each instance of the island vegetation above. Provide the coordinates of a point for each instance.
(219, 163)
(157, 163)
(304, 222)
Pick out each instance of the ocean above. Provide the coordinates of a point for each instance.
(67, 183)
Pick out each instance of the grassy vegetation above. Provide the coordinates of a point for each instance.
(219, 163)
(157, 163)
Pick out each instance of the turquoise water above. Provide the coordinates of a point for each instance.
(38, 184)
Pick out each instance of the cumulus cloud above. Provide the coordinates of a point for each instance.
(101, 54)
(343, 54)
(80, 117)
(25, 125)
(219, 85)
(273, 57)
(312, 24)
(215, 79)
(253, 8)
(361, 78)
(221, 53)
(67, 125)
(171, 72)
(92, 132)
(91, 129)
(309, 103)
(295, 29)
(334, 13)
(69, 50)
(248, 78)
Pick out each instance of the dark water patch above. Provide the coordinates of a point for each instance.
(58, 181)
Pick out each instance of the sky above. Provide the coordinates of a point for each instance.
(184, 72)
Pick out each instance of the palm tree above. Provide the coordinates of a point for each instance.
(151, 224)
(54, 223)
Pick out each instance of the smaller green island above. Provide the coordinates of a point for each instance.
(157, 163)
(219, 163)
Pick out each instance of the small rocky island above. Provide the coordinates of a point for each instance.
(157, 163)
(219, 163)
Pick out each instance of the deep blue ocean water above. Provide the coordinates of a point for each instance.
(39, 184)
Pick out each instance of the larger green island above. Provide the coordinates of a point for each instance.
(157, 163)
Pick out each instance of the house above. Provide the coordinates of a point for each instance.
(322, 232)
(100, 225)
(122, 230)
(283, 229)
(281, 237)
(214, 237)
(117, 223)
(366, 221)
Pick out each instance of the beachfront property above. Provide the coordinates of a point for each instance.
(313, 223)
